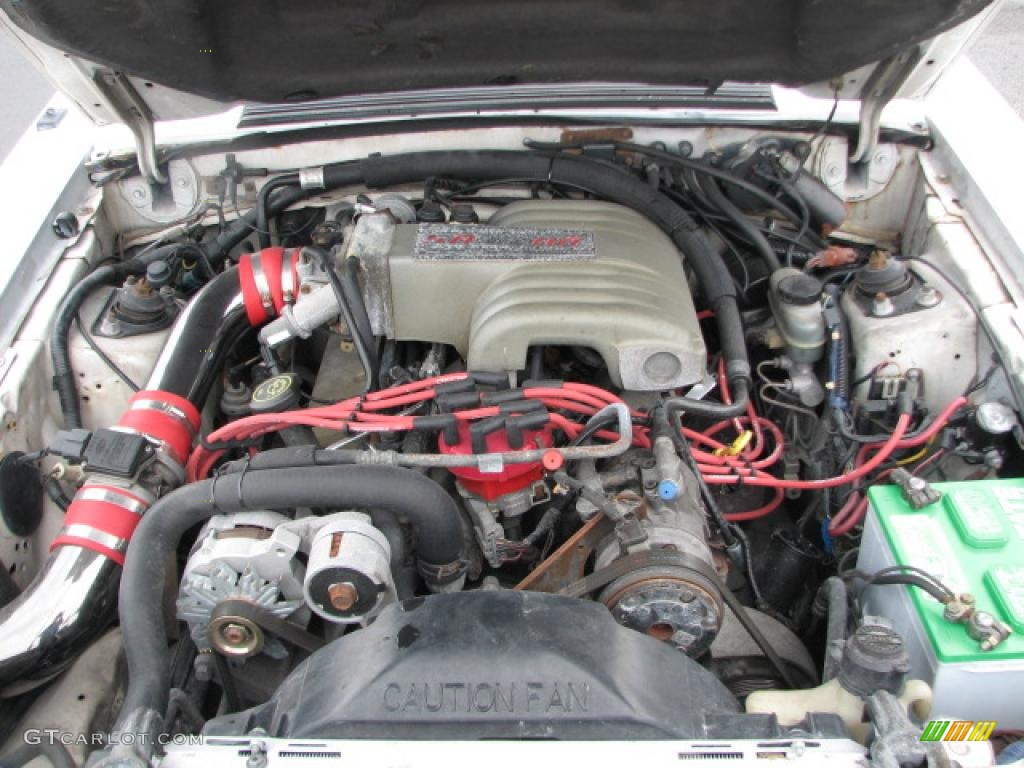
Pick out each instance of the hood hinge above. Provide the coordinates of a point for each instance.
(884, 82)
(126, 103)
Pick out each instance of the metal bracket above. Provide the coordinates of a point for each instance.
(50, 119)
(881, 86)
(126, 103)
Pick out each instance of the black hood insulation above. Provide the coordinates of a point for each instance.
(275, 51)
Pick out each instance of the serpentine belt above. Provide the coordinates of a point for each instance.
(645, 559)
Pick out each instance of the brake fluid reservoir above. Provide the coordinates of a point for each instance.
(795, 298)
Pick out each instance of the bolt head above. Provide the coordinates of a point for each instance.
(235, 634)
(928, 297)
(65, 225)
(343, 595)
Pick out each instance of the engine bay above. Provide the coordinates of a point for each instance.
(594, 439)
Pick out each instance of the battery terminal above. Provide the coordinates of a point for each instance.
(918, 492)
(982, 626)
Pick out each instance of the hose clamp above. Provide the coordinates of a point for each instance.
(87, 533)
(259, 277)
(158, 405)
(112, 496)
(312, 178)
(288, 287)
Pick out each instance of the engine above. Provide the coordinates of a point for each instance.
(486, 462)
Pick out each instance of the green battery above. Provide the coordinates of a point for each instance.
(972, 539)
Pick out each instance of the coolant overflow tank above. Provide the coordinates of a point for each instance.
(539, 272)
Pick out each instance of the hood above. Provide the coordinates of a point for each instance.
(184, 58)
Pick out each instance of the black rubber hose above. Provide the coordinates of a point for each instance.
(233, 325)
(832, 601)
(60, 353)
(749, 229)
(698, 166)
(55, 492)
(432, 513)
(235, 232)
(349, 277)
(712, 410)
(292, 456)
(53, 751)
(364, 346)
(263, 205)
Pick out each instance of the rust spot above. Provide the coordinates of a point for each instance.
(596, 135)
(336, 543)
(661, 631)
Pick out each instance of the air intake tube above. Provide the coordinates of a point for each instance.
(73, 599)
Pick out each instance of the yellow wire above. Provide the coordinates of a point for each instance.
(917, 456)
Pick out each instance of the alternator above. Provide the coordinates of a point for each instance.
(247, 557)
(252, 557)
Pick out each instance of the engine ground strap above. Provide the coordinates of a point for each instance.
(645, 559)
(268, 622)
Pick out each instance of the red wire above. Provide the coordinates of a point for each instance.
(416, 386)
(856, 506)
(761, 479)
(927, 434)
(366, 415)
